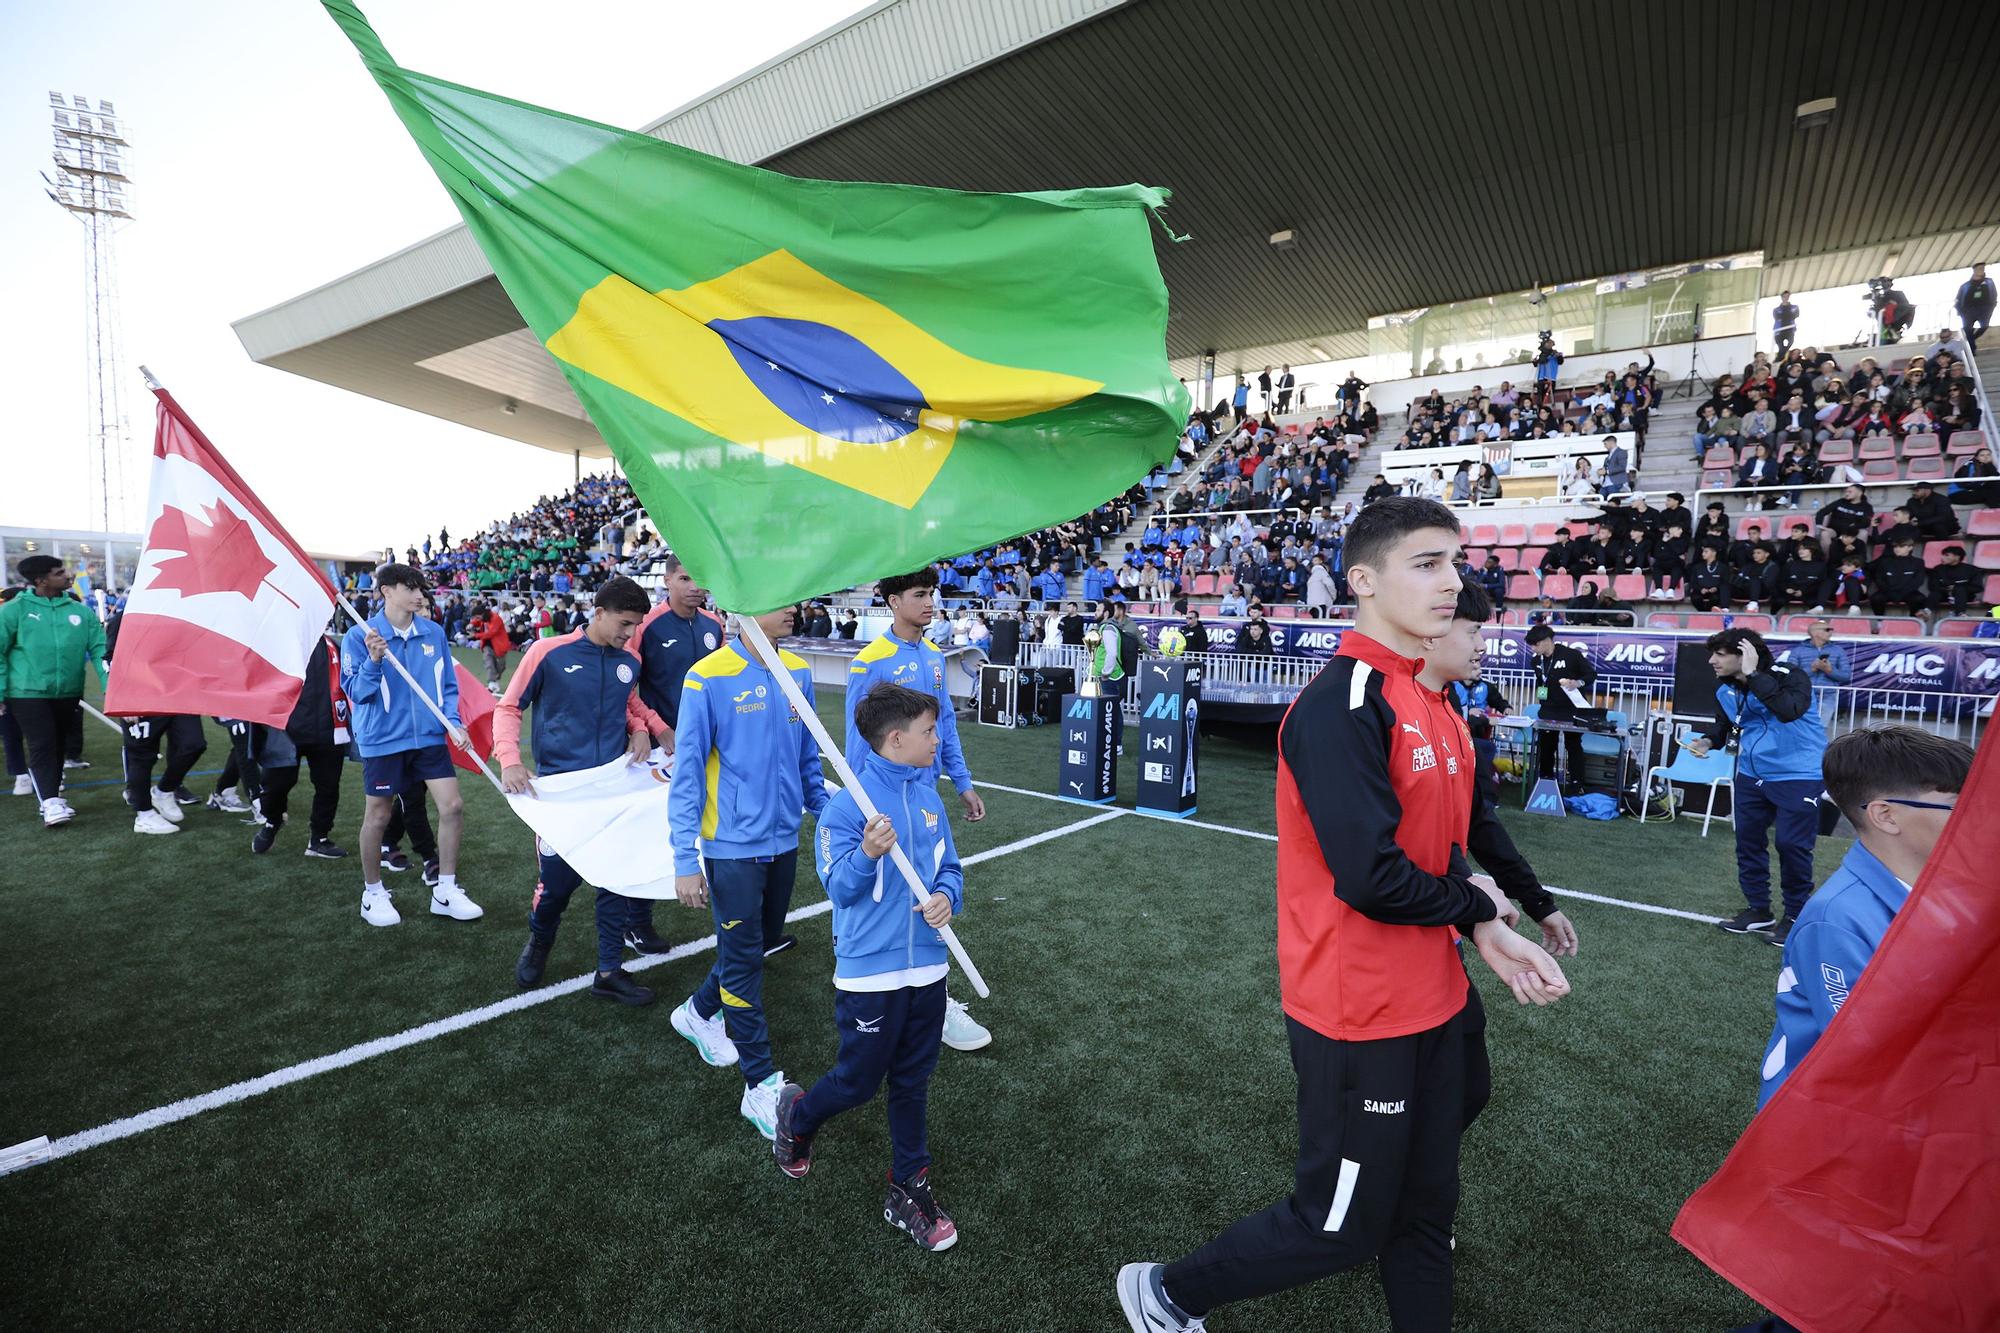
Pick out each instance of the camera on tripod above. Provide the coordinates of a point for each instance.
(1892, 310)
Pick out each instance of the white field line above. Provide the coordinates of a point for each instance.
(1272, 837)
(187, 1107)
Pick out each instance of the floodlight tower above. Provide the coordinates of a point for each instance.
(89, 183)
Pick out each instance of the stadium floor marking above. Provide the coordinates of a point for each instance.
(186, 1108)
(1654, 908)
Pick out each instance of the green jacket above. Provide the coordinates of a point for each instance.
(44, 642)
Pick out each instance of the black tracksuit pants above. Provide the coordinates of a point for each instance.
(185, 740)
(324, 763)
(1377, 1178)
(50, 728)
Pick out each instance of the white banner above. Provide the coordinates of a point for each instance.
(610, 823)
(1553, 458)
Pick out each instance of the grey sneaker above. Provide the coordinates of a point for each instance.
(1143, 1297)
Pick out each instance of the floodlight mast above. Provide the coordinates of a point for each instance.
(90, 185)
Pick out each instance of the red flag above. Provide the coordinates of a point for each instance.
(1866, 1193)
(475, 710)
(226, 607)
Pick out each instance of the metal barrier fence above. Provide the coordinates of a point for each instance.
(1842, 708)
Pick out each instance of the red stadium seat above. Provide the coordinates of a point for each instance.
(1629, 587)
(1531, 559)
(1224, 582)
(1837, 451)
(1934, 551)
(1799, 624)
(1523, 588)
(1475, 556)
(1663, 620)
(1877, 447)
(1204, 586)
(1559, 587)
(1756, 620)
(1544, 533)
(1900, 627)
(1986, 555)
(1983, 523)
(1717, 478)
(1485, 534)
(1992, 594)
(1921, 446)
(1926, 468)
(1510, 557)
(1965, 443)
(1719, 455)
(1956, 627)
(1879, 469)
(1704, 620)
(1513, 534)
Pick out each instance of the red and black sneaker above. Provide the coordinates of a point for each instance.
(794, 1154)
(913, 1207)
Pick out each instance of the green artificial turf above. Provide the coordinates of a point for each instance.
(574, 1164)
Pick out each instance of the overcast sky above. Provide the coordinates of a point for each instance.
(265, 162)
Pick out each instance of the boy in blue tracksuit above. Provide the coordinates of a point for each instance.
(904, 657)
(402, 743)
(587, 711)
(890, 959)
(1766, 706)
(1898, 786)
(744, 767)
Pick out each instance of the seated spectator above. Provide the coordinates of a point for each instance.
(1379, 489)
(1492, 581)
(1708, 579)
(1851, 590)
(1977, 481)
(1931, 512)
(1488, 486)
(1705, 433)
(1876, 425)
(1795, 424)
(1581, 483)
(1898, 577)
(1848, 515)
(1558, 556)
(1665, 557)
(1753, 539)
(1758, 472)
(1802, 580)
(1959, 411)
(1761, 426)
(1954, 585)
(1254, 639)
(1755, 585)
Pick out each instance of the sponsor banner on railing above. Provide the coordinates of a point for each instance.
(1932, 666)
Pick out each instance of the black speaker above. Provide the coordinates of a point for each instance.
(1694, 682)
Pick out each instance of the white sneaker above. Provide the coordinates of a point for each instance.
(167, 807)
(453, 903)
(76, 763)
(377, 909)
(961, 1033)
(56, 812)
(760, 1104)
(709, 1035)
(24, 785)
(227, 801)
(151, 821)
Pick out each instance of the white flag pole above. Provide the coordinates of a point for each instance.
(101, 718)
(418, 690)
(754, 632)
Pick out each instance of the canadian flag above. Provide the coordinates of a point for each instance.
(226, 607)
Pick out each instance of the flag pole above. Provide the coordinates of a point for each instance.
(418, 690)
(102, 718)
(754, 632)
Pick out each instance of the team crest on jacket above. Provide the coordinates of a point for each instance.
(708, 640)
(937, 677)
(624, 674)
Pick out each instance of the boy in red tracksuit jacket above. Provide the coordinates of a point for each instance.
(1375, 790)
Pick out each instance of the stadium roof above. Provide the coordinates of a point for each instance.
(1422, 152)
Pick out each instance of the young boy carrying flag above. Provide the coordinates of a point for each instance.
(904, 656)
(744, 767)
(890, 965)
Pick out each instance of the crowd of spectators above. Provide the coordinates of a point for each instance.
(1620, 402)
(1770, 427)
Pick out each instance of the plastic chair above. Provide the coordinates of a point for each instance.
(1663, 620)
(1900, 627)
(1485, 534)
(1877, 447)
(1921, 446)
(1559, 587)
(1715, 769)
(1983, 523)
(1523, 588)
(1926, 468)
(1543, 534)
(1878, 469)
(1629, 587)
(1204, 586)
(1965, 443)
(1986, 555)
(1510, 557)
(1513, 534)
(1719, 455)
(1837, 451)
(1717, 479)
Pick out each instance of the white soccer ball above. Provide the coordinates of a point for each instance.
(1173, 641)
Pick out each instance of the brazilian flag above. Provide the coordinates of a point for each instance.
(813, 384)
